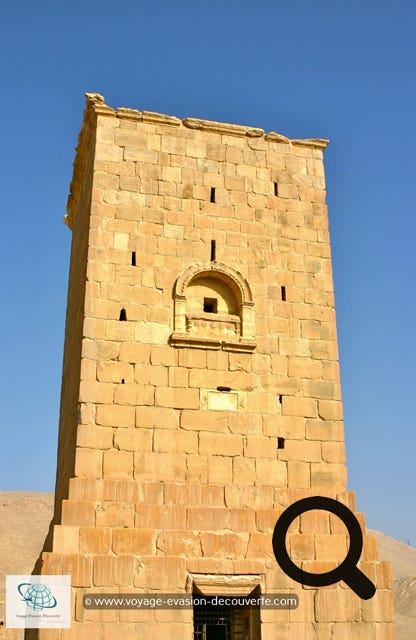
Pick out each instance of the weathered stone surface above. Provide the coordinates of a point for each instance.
(66, 539)
(94, 540)
(113, 571)
(115, 514)
(160, 517)
(118, 464)
(224, 545)
(78, 512)
(134, 541)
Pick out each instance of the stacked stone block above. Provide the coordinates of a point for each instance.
(161, 478)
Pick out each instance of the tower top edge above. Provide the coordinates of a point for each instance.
(96, 102)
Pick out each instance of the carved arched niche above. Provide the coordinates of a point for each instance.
(214, 309)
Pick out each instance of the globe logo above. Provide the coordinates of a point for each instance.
(37, 596)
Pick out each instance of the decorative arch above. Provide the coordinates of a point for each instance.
(214, 309)
(215, 269)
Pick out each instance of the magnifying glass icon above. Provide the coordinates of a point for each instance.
(347, 570)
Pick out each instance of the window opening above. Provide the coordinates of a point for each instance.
(280, 443)
(123, 315)
(213, 250)
(224, 389)
(283, 293)
(133, 258)
(276, 188)
(215, 622)
(212, 622)
(213, 302)
(210, 305)
(212, 196)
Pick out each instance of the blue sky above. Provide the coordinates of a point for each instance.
(331, 69)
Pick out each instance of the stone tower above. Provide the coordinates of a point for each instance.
(201, 390)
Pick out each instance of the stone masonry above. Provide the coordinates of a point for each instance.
(201, 391)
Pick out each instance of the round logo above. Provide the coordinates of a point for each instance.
(37, 596)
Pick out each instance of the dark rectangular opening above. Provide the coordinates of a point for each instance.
(216, 632)
(276, 188)
(283, 293)
(212, 196)
(133, 258)
(213, 250)
(280, 443)
(210, 305)
(212, 623)
(216, 622)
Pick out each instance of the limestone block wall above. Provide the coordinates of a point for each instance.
(140, 397)
(208, 395)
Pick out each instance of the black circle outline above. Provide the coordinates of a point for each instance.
(347, 570)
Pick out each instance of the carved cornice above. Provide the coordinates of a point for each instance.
(129, 114)
(97, 102)
(147, 116)
(313, 143)
(222, 127)
(198, 342)
(276, 137)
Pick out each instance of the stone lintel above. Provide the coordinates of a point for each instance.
(226, 584)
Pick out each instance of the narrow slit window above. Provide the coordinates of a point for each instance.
(123, 315)
(280, 398)
(212, 196)
(280, 443)
(283, 293)
(122, 381)
(210, 305)
(276, 188)
(213, 250)
(133, 258)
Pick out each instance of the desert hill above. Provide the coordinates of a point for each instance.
(403, 559)
(402, 556)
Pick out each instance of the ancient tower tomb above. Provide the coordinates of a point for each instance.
(201, 392)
